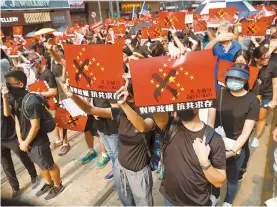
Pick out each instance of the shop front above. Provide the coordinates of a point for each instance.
(127, 7)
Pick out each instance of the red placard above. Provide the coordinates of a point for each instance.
(170, 85)
(29, 41)
(96, 26)
(220, 15)
(254, 28)
(268, 20)
(94, 69)
(199, 26)
(110, 21)
(8, 44)
(42, 86)
(119, 30)
(70, 31)
(172, 19)
(15, 49)
(66, 121)
(153, 32)
(17, 30)
(224, 66)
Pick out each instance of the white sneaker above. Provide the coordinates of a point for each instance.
(214, 200)
(226, 204)
(255, 143)
(271, 202)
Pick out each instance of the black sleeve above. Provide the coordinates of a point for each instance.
(33, 108)
(218, 152)
(50, 79)
(116, 114)
(273, 67)
(253, 112)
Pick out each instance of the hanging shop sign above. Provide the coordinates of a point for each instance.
(33, 4)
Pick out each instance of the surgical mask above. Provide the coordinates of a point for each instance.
(186, 115)
(234, 84)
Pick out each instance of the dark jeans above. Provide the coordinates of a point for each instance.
(232, 171)
(247, 156)
(7, 163)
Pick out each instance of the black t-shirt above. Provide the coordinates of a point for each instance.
(184, 182)
(264, 82)
(57, 68)
(234, 112)
(132, 152)
(34, 111)
(7, 124)
(106, 126)
(49, 77)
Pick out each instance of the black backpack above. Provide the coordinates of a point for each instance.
(47, 122)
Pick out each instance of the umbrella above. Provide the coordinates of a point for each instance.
(30, 34)
(44, 31)
(138, 27)
(243, 7)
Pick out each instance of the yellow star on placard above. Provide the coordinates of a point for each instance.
(162, 90)
(76, 71)
(90, 62)
(177, 73)
(169, 60)
(171, 79)
(97, 64)
(161, 70)
(164, 74)
(84, 49)
(157, 86)
(87, 85)
(74, 66)
(178, 84)
(91, 73)
(102, 69)
(81, 53)
(182, 89)
(93, 59)
(81, 62)
(173, 98)
(78, 58)
(86, 68)
(165, 65)
(181, 69)
(152, 81)
(186, 73)
(191, 77)
(94, 78)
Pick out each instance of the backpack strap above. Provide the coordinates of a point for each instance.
(146, 145)
(24, 105)
(209, 133)
(171, 132)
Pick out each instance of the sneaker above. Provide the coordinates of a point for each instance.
(44, 189)
(271, 202)
(89, 156)
(103, 161)
(16, 194)
(242, 174)
(54, 145)
(255, 143)
(34, 182)
(109, 176)
(64, 150)
(225, 204)
(214, 200)
(55, 191)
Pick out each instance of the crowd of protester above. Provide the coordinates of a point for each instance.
(194, 166)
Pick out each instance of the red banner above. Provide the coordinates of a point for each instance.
(172, 19)
(254, 28)
(224, 66)
(174, 84)
(153, 32)
(119, 29)
(66, 121)
(268, 20)
(17, 30)
(94, 70)
(220, 15)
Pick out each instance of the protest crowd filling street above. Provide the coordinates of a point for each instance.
(172, 104)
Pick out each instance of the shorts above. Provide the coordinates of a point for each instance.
(265, 102)
(42, 156)
(89, 126)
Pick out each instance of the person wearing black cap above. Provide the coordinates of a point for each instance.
(234, 116)
(32, 139)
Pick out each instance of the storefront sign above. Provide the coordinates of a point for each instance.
(11, 19)
(33, 4)
(31, 18)
(60, 18)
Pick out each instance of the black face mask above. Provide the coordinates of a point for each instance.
(186, 115)
(17, 92)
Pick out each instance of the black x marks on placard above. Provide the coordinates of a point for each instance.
(164, 84)
(81, 71)
(73, 120)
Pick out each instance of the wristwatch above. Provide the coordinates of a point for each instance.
(206, 166)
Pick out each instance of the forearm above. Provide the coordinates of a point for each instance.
(242, 139)
(215, 177)
(55, 56)
(32, 134)
(134, 118)
(84, 105)
(274, 86)
(50, 93)
(17, 130)
(211, 44)
(179, 44)
(194, 46)
(6, 107)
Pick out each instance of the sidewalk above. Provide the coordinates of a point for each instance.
(85, 184)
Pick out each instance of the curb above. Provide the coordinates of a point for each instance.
(104, 194)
